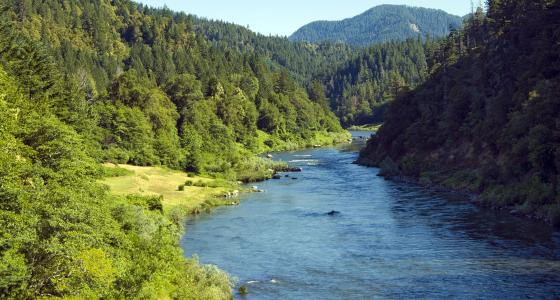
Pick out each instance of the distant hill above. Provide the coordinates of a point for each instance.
(380, 24)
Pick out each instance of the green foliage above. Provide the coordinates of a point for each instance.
(304, 60)
(487, 118)
(116, 171)
(252, 169)
(361, 88)
(85, 82)
(61, 234)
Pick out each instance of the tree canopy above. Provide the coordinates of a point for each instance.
(487, 119)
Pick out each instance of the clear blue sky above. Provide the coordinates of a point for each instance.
(283, 17)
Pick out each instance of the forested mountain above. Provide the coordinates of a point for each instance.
(357, 83)
(85, 82)
(361, 88)
(487, 119)
(179, 99)
(303, 59)
(380, 24)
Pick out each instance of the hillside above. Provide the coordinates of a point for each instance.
(487, 120)
(149, 71)
(303, 59)
(88, 82)
(357, 83)
(380, 24)
(361, 88)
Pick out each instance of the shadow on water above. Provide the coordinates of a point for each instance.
(389, 240)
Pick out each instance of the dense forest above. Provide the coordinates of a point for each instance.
(303, 60)
(83, 83)
(380, 24)
(87, 82)
(163, 94)
(361, 88)
(486, 120)
(357, 82)
(61, 234)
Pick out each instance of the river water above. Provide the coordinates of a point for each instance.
(390, 240)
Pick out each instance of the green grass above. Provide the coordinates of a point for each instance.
(255, 169)
(270, 143)
(369, 127)
(157, 181)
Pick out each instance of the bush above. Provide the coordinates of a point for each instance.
(116, 171)
(254, 169)
(410, 166)
(154, 203)
(116, 155)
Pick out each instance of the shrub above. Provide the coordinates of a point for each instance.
(106, 171)
(154, 203)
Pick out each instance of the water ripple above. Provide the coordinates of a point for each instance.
(390, 240)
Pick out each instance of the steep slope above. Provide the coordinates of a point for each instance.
(164, 94)
(62, 235)
(361, 88)
(358, 83)
(84, 82)
(302, 59)
(487, 120)
(380, 24)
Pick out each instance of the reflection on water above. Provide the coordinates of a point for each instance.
(390, 240)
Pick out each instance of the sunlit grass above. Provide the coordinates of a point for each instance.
(370, 127)
(165, 182)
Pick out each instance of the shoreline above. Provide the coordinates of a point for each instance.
(215, 201)
(180, 200)
(472, 197)
(368, 127)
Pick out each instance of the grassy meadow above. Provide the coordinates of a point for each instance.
(159, 181)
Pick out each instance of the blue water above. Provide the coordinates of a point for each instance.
(390, 240)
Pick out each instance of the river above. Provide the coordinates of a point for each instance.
(390, 240)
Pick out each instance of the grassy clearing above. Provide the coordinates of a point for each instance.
(157, 181)
(270, 143)
(370, 127)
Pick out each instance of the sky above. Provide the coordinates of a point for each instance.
(283, 17)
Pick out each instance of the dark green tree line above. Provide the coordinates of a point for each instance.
(487, 119)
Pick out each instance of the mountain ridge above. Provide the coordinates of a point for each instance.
(390, 22)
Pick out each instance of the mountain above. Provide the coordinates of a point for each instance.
(303, 59)
(357, 82)
(486, 121)
(380, 24)
(361, 87)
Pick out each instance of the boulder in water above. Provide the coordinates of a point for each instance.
(333, 213)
